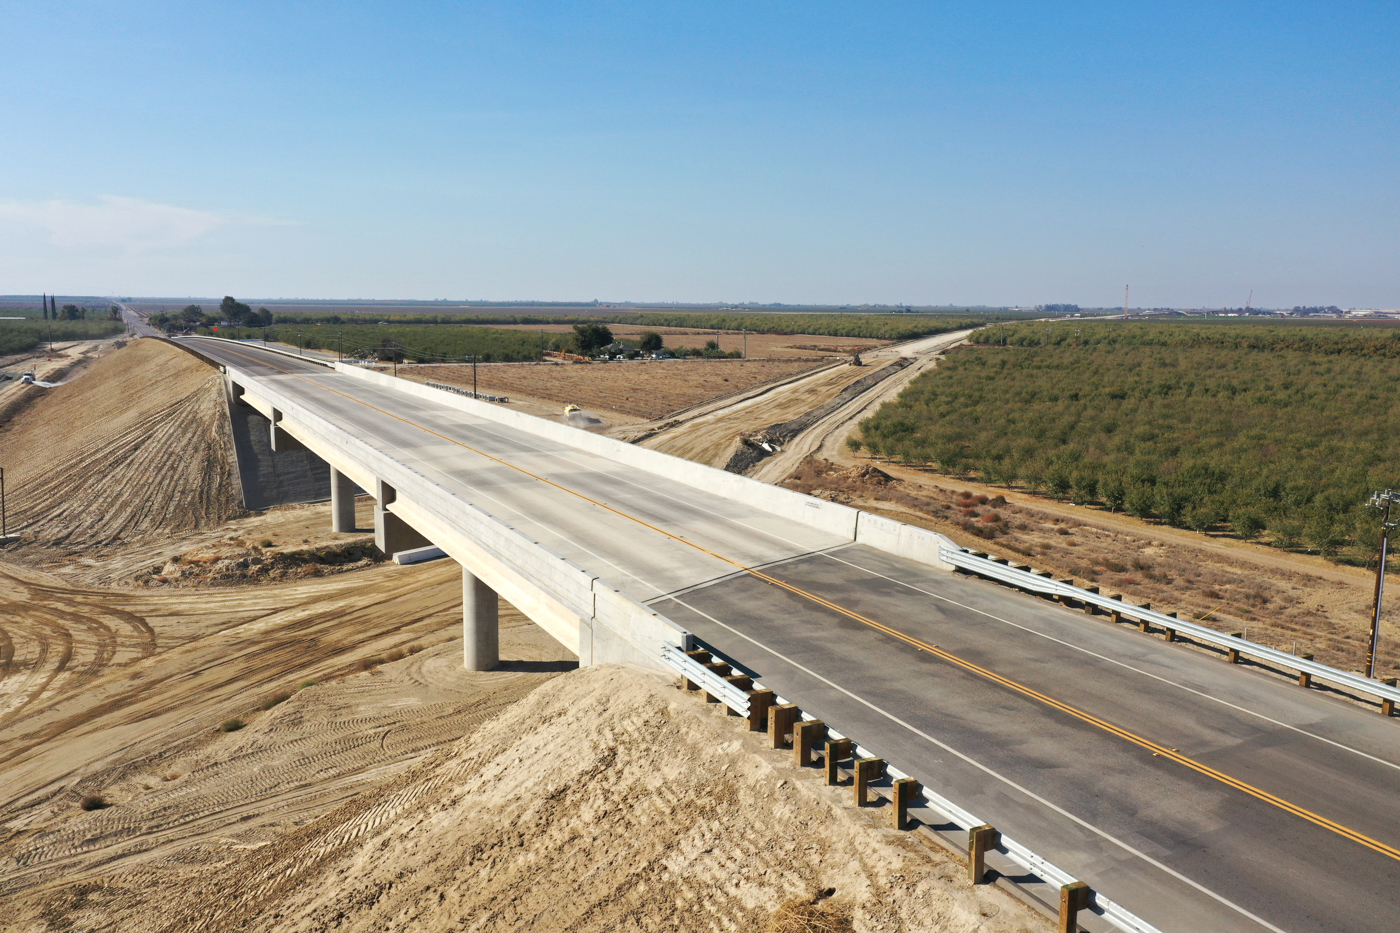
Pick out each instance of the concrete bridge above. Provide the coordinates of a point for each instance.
(1268, 807)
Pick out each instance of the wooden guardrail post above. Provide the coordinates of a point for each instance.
(759, 703)
(980, 840)
(836, 750)
(1233, 654)
(1116, 615)
(699, 656)
(1089, 607)
(741, 682)
(1061, 598)
(1387, 704)
(905, 790)
(1142, 623)
(1074, 897)
(1304, 678)
(867, 770)
(780, 721)
(804, 736)
(723, 670)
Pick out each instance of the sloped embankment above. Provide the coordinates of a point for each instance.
(602, 801)
(136, 449)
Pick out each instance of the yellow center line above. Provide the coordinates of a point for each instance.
(1156, 748)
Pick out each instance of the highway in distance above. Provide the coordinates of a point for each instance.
(1034, 717)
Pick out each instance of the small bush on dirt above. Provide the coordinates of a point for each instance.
(93, 802)
(231, 725)
(270, 702)
(396, 655)
(997, 502)
(265, 542)
(306, 683)
(811, 914)
(991, 518)
(414, 649)
(172, 776)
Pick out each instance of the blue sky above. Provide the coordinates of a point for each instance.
(996, 153)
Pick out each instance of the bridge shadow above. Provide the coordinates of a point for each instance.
(537, 667)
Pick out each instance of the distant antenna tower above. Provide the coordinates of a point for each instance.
(1125, 302)
(1250, 303)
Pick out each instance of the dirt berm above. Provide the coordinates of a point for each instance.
(604, 800)
(135, 449)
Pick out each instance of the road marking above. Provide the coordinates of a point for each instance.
(1048, 804)
(1156, 748)
(1114, 661)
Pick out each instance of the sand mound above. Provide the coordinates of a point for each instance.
(138, 448)
(602, 801)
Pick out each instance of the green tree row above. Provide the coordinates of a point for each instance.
(23, 336)
(1165, 422)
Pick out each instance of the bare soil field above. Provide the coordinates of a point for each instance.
(135, 448)
(758, 346)
(636, 390)
(1287, 601)
(604, 800)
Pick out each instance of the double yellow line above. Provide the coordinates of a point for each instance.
(1156, 748)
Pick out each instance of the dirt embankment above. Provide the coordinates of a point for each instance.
(135, 450)
(603, 801)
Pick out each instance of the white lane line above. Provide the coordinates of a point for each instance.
(1103, 834)
(1122, 664)
(826, 553)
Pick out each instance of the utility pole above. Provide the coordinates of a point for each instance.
(1125, 302)
(1383, 501)
(474, 395)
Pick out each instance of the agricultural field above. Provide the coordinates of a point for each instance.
(757, 346)
(1273, 432)
(643, 390)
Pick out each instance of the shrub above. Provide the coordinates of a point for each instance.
(304, 684)
(991, 518)
(265, 542)
(853, 444)
(231, 725)
(270, 702)
(414, 649)
(93, 802)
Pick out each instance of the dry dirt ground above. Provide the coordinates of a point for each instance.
(638, 390)
(604, 800)
(247, 724)
(758, 346)
(141, 430)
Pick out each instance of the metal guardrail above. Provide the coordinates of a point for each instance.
(709, 681)
(1029, 580)
(738, 700)
(480, 396)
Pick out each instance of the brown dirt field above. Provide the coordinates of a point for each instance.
(604, 800)
(1286, 601)
(637, 390)
(758, 346)
(134, 449)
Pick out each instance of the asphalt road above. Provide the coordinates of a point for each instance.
(1183, 850)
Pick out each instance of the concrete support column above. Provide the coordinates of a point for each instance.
(342, 502)
(481, 630)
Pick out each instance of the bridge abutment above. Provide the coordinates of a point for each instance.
(481, 630)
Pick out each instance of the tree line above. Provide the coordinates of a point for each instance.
(1281, 433)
